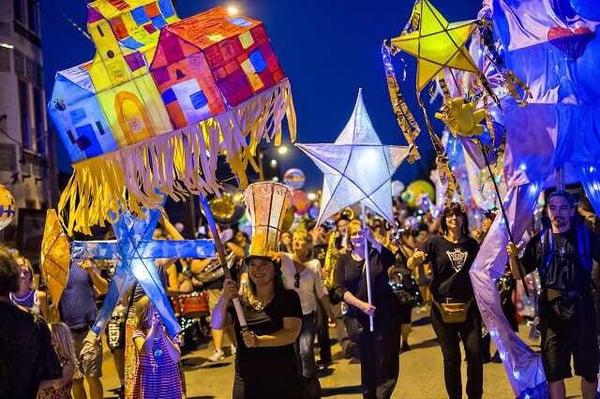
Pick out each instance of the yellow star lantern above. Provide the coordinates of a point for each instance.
(436, 43)
(461, 117)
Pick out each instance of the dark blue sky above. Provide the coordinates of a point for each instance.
(328, 49)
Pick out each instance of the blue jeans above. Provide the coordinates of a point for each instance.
(311, 387)
(304, 346)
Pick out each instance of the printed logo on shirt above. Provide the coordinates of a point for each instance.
(458, 258)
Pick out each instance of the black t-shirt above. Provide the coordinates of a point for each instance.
(26, 353)
(349, 276)
(277, 360)
(450, 265)
(560, 268)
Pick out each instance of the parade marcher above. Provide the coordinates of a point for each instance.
(27, 357)
(207, 274)
(302, 273)
(324, 307)
(418, 237)
(338, 244)
(65, 350)
(265, 363)
(215, 288)
(132, 362)
(379, 350)
(486, 224)
(78, 310)
(157, 372)
(115, 337)
(563, 253)
(407, 291)
(454, 315)
(27, 296)
(285, 243)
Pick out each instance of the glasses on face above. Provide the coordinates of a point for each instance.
(562, 208)
(297, 280)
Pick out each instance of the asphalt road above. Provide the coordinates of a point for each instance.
(421, 373)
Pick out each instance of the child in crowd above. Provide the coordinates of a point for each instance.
(65, 350)
(157, 374)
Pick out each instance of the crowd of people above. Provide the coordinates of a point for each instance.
(314, 284)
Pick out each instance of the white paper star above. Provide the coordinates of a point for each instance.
(357, 167)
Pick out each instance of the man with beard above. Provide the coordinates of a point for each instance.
(563, 254)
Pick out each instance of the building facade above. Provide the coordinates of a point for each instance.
(24, 151)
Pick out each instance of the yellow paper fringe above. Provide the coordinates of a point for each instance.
(404, 117)
(177, 163)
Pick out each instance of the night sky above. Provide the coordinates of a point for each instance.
(328, 49)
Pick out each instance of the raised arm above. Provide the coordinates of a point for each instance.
(98, 282)
(416, 259)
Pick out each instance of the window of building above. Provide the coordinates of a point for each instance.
(24, 114)
(18, 10)
(27, 20)
(33, 21)
(40, 131)
(5, 59)
(30, 69)
(34, 72)
(19, 63)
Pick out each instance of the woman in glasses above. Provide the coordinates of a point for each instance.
(454, 316)
(301, 272)
(380, 349)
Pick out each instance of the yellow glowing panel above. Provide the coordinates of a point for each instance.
(246, 39)
(436, 44)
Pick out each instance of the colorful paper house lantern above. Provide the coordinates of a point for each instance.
(210, 63)
(140, 119)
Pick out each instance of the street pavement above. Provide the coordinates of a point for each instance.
(421, 373)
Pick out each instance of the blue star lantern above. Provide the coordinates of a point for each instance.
(136, 251)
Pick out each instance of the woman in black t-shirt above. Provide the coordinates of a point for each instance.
(265, 363)
(451, 255)
(379, 350)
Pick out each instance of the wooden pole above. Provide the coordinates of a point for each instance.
(363, 218)
(212, 225)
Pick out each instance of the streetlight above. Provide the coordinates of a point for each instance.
(232, 10)
(311, 196)
(273, 163)
(282, 150)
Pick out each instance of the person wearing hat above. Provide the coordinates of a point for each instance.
(564, 253)
(265, 363)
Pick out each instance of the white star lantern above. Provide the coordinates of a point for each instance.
(357, 167)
